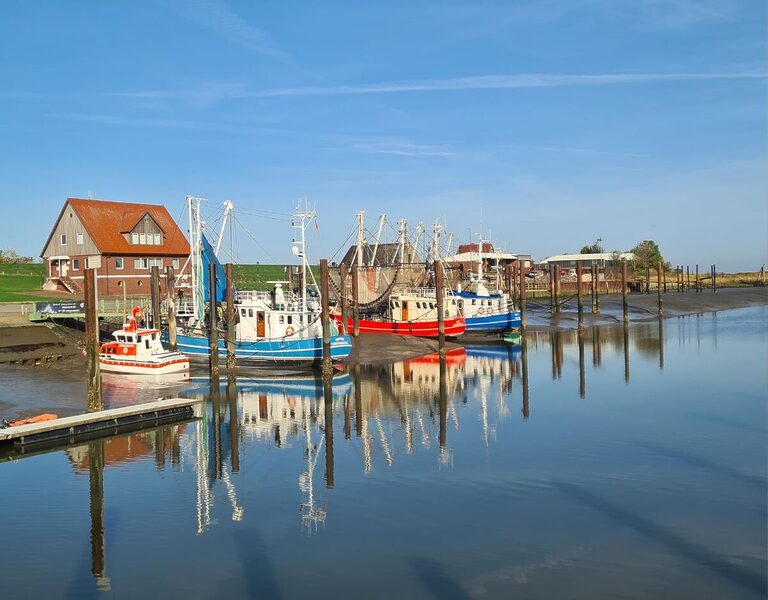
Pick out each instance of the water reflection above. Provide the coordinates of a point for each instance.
(411, 419)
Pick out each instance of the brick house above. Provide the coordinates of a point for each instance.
(120, 240)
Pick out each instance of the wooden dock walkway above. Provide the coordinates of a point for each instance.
(98, 424)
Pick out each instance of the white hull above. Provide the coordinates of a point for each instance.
(178, 365)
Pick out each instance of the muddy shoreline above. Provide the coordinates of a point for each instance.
(49, 344)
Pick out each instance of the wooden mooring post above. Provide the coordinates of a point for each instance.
(523, 319)
(231, 317)
(170, 298)
(624, 305)
(154, 294)
(213, 324)
(557, 288)
(344, 301)
(325, 320)
(92, 342)
(355, 301)
(698, 284)
(714, 278)
(582, 369)
(579, 300)
(659, 272)
(688, 276)
(440, 301)
(593, 286)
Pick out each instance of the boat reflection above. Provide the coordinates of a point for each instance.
(396, 411)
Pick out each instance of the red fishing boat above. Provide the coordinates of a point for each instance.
(411, 313)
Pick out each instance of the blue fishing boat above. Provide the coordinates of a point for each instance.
(277, 326)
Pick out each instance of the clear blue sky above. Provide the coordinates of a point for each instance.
(549, 123)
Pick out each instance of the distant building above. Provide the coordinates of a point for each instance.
(386, 255)
(602, 259)
(468, 255)
(120, 240)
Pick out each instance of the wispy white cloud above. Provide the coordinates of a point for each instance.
(401, 148)
(454, 84)
(156, 123)
(217, 16)
(572, 150)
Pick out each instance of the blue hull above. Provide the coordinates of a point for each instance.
(492, 323)
(307, 351)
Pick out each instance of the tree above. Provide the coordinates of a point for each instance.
(10, 256)
(596, 248)
(647, 255)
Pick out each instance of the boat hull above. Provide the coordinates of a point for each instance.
(494, 323)
(453, 327)
(283, 351)
(135, 367)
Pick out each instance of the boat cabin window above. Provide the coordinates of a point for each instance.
(250, 312)
(474, 302)
(154, 336)
(120, 338)
(461, 304)
(431, 305)
(242, 311)
(282, 319)
(290, 320)
(146, 342)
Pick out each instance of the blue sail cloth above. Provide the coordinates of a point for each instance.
(209, 257)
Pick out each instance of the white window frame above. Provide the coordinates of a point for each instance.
(63, 239)
(119, 263)
(135, 238)
(175, 264)
(75, 264)
(142, 239)
(140, 263)
(158, 239)
(80, 239)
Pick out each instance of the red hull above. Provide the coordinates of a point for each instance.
(453, 327)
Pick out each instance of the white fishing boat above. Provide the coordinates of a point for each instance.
(139, 351)
(272, 327)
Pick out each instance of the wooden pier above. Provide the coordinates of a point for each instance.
(98, 424)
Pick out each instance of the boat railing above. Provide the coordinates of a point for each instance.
(252, 295)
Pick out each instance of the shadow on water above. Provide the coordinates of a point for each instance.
(737, 575)
(703, 463)
(435, 578)
(258, 573)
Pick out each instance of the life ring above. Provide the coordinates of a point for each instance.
(481, 311)
(125, 350)
(289, 331)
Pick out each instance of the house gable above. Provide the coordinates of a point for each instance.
(69, 236)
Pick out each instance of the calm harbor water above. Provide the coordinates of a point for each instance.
(620, 463)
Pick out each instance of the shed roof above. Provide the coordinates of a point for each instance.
(587, 257)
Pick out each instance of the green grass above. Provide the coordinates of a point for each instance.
(21, 283)
(256, 277)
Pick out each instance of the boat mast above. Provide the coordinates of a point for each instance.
(402, 237)
(360, 236)
(480, 258)
(227, 210)
(305, 218)
(195, 241)
(382, 220)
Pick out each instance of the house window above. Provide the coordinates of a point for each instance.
(79, 239)
(63, 239)
(142, 239)
(176, 264)
(156, 262)
(140, 263)
(75, 264)
(158, 239)
(134, 238)
(119, 262)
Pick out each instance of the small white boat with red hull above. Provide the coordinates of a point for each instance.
(139, 351)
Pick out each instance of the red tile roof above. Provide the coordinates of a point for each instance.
(106, 222)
